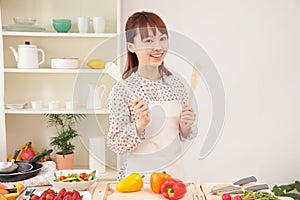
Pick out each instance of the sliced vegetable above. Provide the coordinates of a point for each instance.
(74, 177)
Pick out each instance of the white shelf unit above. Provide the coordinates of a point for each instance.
(54, 34)
(16, 83)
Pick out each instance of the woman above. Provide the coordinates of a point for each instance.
(148, 112)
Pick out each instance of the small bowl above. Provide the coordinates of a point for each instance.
(61, 25)
(64, 63)
(84, 185)
(24, 20)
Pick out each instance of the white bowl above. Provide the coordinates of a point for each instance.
(64, 63)
(24, 20)
(73, 185)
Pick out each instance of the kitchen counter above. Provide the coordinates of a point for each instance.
(105, 190)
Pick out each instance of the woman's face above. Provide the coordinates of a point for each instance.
(150, 50)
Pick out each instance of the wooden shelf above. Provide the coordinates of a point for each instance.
(53, 34)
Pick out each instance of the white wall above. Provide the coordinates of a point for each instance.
(254, 45)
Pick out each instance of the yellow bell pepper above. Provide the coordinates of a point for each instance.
(132, 183)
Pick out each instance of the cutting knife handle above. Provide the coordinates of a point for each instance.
(257, 187)
(246, 180)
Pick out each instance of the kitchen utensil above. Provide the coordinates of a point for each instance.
(24, 20)
(27, 55)
(6, 167)
(21, 194)
(18, 176)
(62, 25)
(235, 186)
(250, 188)
(94, 97)
(194, 82)
(64, 63)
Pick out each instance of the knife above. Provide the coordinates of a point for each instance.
(21, 194)
(250, 188)
(236, 185)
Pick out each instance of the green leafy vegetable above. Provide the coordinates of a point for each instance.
(260, 195)
(290, 190)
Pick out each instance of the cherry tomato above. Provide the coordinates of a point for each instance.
(226, 196)
(83, 175)
(238, 197)
(62, 177)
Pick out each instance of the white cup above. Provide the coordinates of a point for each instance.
(98, 24)
(70, 105)
(83, 24)
(52, 105)
(36, 105)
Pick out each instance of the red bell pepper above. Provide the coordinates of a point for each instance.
(173, 189)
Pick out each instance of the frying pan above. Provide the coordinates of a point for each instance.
(22, 175)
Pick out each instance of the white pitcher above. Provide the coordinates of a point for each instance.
(27, 56)
(95, 94)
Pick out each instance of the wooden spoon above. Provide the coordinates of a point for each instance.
(194, 82)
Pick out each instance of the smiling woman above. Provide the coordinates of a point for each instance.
(149, 115)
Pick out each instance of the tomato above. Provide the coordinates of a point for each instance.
(83, 175)
(226, 196)
(238, 197)
(62, 177)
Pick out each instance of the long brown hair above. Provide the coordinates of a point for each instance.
(142, 21)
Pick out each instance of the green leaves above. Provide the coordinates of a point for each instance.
(64, 124)
(289, 190)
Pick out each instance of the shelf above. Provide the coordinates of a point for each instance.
(53, 34)
(50, 70)
(57, 111)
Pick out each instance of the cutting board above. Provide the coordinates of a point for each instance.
(107, 191)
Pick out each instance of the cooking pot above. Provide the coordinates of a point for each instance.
(22, 175)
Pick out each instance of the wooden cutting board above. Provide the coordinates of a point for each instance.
(107, 191)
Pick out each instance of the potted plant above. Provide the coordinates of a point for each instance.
(66, 132)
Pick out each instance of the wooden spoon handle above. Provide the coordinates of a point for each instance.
(194, 82)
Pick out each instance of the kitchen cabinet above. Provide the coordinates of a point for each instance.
(17, 126)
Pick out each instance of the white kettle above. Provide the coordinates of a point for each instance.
(94, 97)
(27, 56)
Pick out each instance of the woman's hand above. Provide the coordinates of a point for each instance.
(186, 119)
(142, 110)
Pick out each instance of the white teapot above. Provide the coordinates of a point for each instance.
(27, 56)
